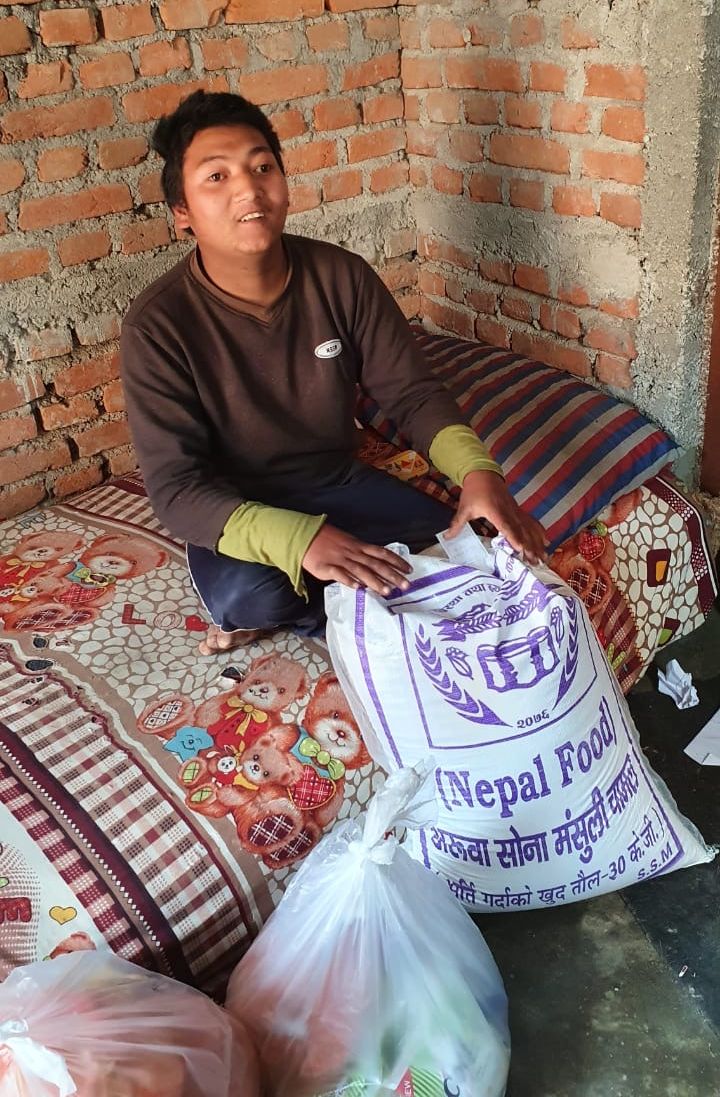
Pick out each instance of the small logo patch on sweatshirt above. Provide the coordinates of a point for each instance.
(331, 349)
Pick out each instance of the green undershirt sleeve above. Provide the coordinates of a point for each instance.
(456, 450)
(271, 535)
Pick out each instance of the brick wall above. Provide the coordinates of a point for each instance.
(82, 223)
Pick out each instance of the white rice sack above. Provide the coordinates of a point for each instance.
(494, 669)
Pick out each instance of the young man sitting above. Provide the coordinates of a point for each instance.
(240, 368)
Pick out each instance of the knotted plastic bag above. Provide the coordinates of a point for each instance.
(370, 979)
(93, 1025)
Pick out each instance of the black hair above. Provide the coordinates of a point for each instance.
(200, 111)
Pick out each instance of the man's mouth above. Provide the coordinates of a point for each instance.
(254, 216)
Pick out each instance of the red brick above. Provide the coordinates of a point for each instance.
(429, 281)
(64, 413)
(335, 114)
(623, 167)
(14, 392)
(445, 180)
(113, 397)
(19, 428)
(400, 242)
(390, 177)
(443, 106)
(68, 27)
(450, 319)
(279, 84)
(382, 108)
(546, 349)
(381, 28)
(410, 33)
(323, 37)
(223, 53)
(424, 140)
(467, 146)
(26, 463)
(145, 236)
(70, 117)
(517, 308)
(411, 106)
(534, 279)
(108, 71)
(3, 223)
(547, 77)
(496, 270)
(612, 340)
(485, 31)
(563, 321)
(51, 78)
(84, 246)
(63, 163)
(492, 332)
(279, 46)
(369, 73)
(442, 251)
(87, 375)
(121, 153)
(420, 72)
(621, 209)
(310, 157)
(483, 300)
(77, 480)
(260, 11)
(624, 123)
(189, 14)
(14, 36)
(524, 113)
(454, 290)
(481, 110)
(123, 21)
(288, 123)
(150, 188)
(159, 58)
(613, 371)
(574, 295)
(484, 187)
(122, 461)
(3, 88)
(150, 103)
(445, 34)
(574, 37)
(526, 30)
(59, 209)
(358, 5)
(342, 184)
(527, 194)
(615, 82)
(12, 175)
(113, 432)
(50, 343)
(624, 307)
(569, 117)
(525, 151)
(574, 201)
(368, 146)
(17, 500)
(486, 73)
(27, 263)
(98, 328)
(399, 274)
(304, 197)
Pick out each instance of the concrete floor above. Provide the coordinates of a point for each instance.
(598, 1005)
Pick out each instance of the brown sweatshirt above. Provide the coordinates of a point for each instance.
(226, 399)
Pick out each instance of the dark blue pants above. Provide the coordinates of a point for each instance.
(367, 503)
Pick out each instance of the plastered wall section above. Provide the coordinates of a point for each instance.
(82, 224)
(564, 162)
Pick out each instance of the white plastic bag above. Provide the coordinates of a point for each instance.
(94, 1025)
(543, 791)
(370, 979)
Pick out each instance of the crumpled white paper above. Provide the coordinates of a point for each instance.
(678, 684)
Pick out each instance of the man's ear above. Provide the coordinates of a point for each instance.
(182, 220)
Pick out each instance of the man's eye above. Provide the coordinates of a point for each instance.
(215, 177)
(263, 169)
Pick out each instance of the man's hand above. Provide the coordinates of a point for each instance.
(485, 495)
(341, 558)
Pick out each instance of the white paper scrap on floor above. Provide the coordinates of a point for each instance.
(493, 668)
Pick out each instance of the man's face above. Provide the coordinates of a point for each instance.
(236, 196)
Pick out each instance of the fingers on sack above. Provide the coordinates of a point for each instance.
(397, 563)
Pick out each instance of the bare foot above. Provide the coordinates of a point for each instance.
(216, 641)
